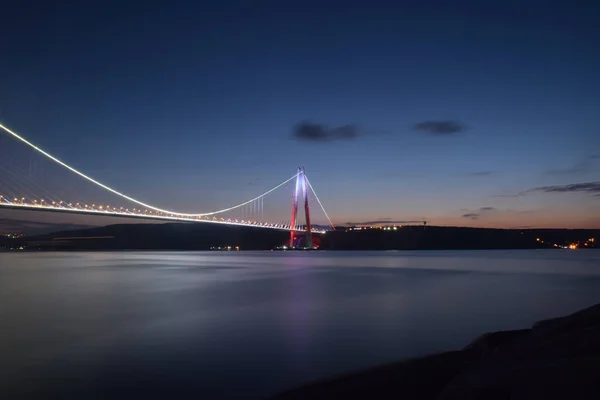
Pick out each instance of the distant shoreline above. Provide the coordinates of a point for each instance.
(186, 236)
(2, 250)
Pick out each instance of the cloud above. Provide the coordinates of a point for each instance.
(509, 195)
(521, 211)
(318, 133)
(582, 167)
(481, 173)
(586, 187)
(579, 168)
(479, 213)
(439, 128)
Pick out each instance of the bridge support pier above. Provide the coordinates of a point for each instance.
(301, 190)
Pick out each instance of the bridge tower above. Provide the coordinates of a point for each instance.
(301, 191)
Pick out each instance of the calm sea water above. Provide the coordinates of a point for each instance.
(248, 324)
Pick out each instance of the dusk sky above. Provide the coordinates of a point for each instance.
(472, 113)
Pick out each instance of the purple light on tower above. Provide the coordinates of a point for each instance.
(301, 186)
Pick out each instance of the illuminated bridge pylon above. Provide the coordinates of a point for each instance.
(33, 179)
(301, 194)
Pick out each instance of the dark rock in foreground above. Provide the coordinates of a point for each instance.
(555, 359)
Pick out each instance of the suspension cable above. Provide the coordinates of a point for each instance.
(319, 201)
(56, 160)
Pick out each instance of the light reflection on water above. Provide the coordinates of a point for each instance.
(252, 323)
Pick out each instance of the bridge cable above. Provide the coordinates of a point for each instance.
(56, 160)
(319, 201)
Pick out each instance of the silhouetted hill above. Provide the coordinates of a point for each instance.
(172, 236)
(454, 238)
(182, 236)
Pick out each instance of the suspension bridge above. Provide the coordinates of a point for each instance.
(31, 179)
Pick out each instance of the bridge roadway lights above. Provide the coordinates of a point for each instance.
(62, 209)
(300, 193)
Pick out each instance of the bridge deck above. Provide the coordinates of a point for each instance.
(54, 209)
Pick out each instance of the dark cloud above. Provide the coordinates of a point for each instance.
(479, 213)
(317, 133)
(586, 187)
(521, 211)
(481, 173)
(439, 127)
(384, 221)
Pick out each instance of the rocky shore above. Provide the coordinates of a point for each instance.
(554, 359)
